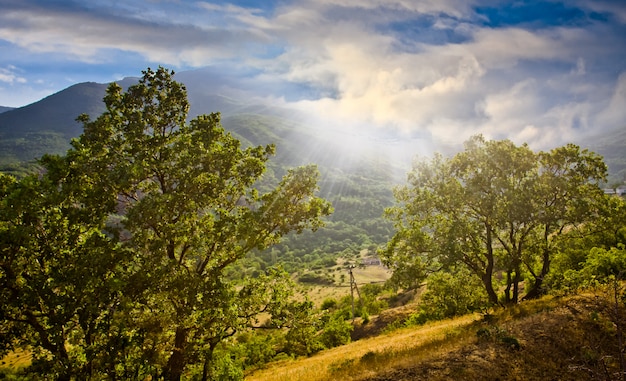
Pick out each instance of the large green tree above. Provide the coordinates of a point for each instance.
(181, 201)
(60, 273)
(495, 208)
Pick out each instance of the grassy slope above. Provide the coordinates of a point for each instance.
(362, 274)
(568, 338)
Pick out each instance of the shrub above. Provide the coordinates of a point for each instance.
(336, 332)
(451, 294)
(313, 278)
(329, 304)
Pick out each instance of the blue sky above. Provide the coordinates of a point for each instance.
(542, 72)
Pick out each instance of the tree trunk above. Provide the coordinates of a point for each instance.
(507, 290)
(537, 289)
(176, 363)
(516, 281)
(493, 296)
(487, 277)
(207, 371)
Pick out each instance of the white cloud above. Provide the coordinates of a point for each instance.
(614, 115)
(504, 82)
(366, 62)
(9, 75)
(90, 37)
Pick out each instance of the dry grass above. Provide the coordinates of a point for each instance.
(362, 275)
(569, 338)
(371, 274)
(372, 355)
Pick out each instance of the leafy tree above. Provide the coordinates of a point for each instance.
(258, 349)
(181, 203)
(61, 278)
(494, 207)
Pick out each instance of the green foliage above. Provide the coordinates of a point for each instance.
(336, 331)
(607, 232)
(225, 368)
(302, 340)
(313, 278)
(371, 301)
(257, 349)
(368, 301)
(329, 304)
(601, 266)
(449, 294)
(145, 294)
(495, 208)
(61, 274)
(604, 264)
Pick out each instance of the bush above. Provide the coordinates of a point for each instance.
(258, 350)
(329, 304)
(313, 278)
(225, 368)
(448, 295)
(336, 331)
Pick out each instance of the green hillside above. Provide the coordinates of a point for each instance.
(359, 188)
(27, 133)
(359, 193)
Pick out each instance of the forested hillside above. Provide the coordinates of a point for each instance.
(359, 187)
(27, 133)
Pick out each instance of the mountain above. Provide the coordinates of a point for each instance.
(55, 113)
(353, 177)
(46, 126)
(4, 108)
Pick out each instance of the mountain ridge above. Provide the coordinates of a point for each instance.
(47, 126)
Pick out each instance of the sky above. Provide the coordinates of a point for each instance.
(542, 72)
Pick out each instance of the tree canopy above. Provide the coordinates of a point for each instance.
(118, 249)
(495, 208)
